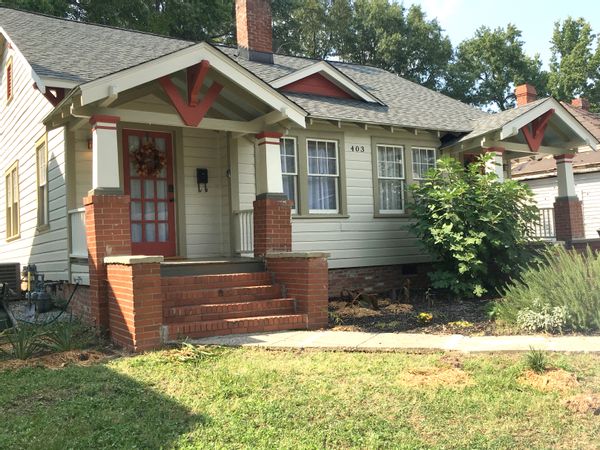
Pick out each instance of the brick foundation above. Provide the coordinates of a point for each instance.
(135, 304)
(80, 303)
(568, 219)
(378, 279)
(272, 226)
(108, 233)
(305, 278)
(583, 244)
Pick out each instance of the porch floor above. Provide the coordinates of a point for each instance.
(211, 266)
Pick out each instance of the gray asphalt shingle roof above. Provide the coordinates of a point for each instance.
(82, 52)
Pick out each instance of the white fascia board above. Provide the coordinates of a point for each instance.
(181, 59)
(38, 81)
(512, 128)
(332, 74)
(59, 83)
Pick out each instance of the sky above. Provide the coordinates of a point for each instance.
(535, 18)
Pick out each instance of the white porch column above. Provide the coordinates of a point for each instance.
(496, 164)
(105, 153)
(268, 164)
(564, 172)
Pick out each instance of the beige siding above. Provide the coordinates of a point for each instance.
(206, 213)
(362, 239)
(587, 186)
(20, 128)
(82, 176)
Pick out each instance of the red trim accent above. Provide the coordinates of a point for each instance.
(53, 97)
(104, 118)
(534, 136)
(269, 134)
(100, 127)
(190, 110)
(317, 84)
(564, 157)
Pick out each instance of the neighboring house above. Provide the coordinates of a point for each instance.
(117, 143)
(540, 174)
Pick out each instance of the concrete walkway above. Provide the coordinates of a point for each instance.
(354, 340)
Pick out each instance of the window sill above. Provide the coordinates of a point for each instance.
(13, 238)
(392, 216)
(321, 216)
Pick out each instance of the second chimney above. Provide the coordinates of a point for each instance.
(581, 103)
(525, 93)
(254, 30)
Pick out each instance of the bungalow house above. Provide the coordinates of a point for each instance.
(539, 173)
(194, 189)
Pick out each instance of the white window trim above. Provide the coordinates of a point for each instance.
(42, 145)
(294, 174)
(13, 172)
(401, 178)
(336, 176)
(413, 160)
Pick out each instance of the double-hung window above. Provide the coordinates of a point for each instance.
(423, 159)
(11, 178)
(323, 176)
(41, 155)
(289, 170)
(390, 174)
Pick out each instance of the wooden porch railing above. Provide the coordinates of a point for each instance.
(244, 232)
(544, 227)
(78, 241)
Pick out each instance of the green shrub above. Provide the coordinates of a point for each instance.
(65, 336)
(536, 360)
(543, 317)
(477, 228)
(23, 342)
(566, 279)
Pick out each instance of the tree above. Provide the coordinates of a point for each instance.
(475, 226)
(574, 64)
(487, 67)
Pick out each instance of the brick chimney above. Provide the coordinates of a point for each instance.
(525, 93)
(254, 30)
(581, 103)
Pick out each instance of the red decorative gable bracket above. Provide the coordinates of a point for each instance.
(53, 97)
(534, 135)
(191, 110)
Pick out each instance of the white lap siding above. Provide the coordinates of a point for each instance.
(20, 128)
(587, 186)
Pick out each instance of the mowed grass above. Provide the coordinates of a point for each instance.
(250, 398)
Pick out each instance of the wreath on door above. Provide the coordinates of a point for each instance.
(150, 160)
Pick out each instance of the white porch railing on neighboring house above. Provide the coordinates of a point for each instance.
(244, 231)
(544, 227)
(78, 241)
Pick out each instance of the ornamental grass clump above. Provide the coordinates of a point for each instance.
(477, 227)
(561, 292)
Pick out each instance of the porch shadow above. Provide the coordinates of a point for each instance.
(89, 407)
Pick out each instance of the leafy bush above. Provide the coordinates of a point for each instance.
(477, 228)
(542, 317)
(23, 342)
(536, 360)
(566, 279)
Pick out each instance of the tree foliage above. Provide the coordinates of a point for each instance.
(488, 66)
(575, 63)
(476, 227)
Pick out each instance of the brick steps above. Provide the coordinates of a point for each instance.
(213, 305)
(203, 312)
(238, 326)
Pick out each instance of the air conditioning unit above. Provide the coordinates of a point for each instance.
(11, 273)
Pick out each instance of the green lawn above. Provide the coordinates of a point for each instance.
(245, 398)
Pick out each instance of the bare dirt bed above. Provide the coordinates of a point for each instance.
(469, 317)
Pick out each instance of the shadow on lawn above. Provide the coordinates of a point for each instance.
(87, 407)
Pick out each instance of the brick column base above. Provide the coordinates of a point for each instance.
(272, 225)
(305, 277)
(135, 301)
(108, 232)
(568, 219)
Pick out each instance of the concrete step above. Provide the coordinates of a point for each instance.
(185, 283)
(192, 313)
(211, 267)
(237, 326)
(222, 295)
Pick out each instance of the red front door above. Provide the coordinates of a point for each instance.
(148, 169)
